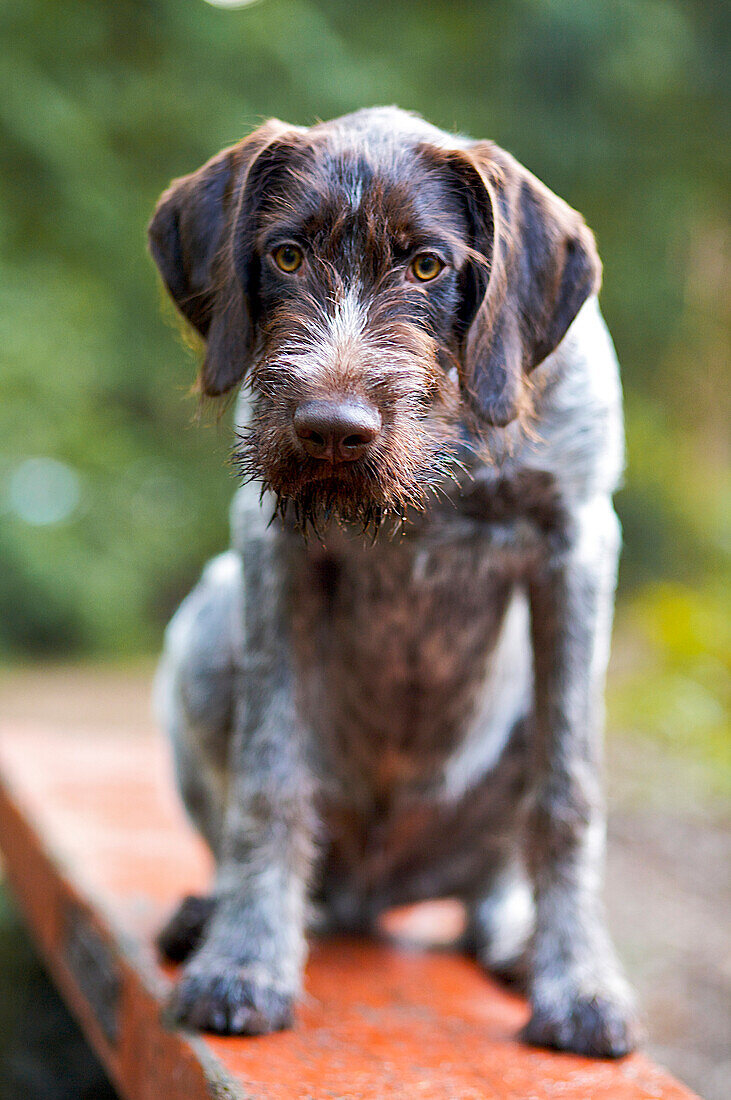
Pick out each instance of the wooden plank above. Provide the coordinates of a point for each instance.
(98, 852)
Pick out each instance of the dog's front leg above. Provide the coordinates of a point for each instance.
(579, 998)
(246, 974)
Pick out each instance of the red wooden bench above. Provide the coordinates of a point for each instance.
(97, 852)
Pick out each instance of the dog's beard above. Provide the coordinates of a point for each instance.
(398, 477)
(318, 504)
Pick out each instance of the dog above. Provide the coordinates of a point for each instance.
(390, 688)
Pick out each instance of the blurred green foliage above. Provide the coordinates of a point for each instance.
(619, 105)
(671, 680)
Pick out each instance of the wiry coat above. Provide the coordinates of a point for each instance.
(364, 723)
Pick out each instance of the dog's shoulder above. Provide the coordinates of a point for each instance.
(574, 436)
(579, 434)
(533, 477)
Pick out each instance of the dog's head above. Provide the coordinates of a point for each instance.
(375, 278)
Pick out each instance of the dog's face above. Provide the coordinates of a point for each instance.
(375, 279)
(352, 274)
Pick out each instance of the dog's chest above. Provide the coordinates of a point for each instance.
(394, 640)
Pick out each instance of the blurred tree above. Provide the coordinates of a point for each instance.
(618, 106)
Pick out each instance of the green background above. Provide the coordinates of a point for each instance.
(618, 106)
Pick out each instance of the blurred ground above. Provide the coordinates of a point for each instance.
(668, 892)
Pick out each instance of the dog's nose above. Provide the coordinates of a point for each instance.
(336, 431)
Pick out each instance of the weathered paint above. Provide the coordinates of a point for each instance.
(98, 853)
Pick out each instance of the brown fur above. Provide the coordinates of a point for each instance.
(427, 707)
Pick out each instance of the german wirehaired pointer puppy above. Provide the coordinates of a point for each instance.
(360, 722)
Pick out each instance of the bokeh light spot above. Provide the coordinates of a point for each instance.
(232, 3)
(43, 491)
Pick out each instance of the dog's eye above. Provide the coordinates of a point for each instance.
(288, 258)
(426, 266)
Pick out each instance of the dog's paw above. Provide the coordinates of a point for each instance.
(230, 1001)
(184, 931)
(600, 1025)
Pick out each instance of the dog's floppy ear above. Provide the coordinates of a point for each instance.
(540, 267)
(188, 236)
